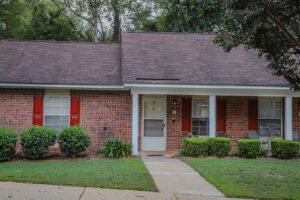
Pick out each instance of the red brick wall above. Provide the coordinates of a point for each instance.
(174, 139)
(16, 107)
(236, 118)
(296, 117)
(105, 108)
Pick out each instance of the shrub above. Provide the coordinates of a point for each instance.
(116, 148)
(195, 147)
(8, 140)
(73, 141)
(248, 148)
(284, 149)
(35, 141)
(219, 146)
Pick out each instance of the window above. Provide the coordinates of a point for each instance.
(57, 110)
(200, 117)
(269, 118)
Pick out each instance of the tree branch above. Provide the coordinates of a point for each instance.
(284, 30)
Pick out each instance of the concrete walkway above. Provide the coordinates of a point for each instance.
(27, 191)
(175, 177)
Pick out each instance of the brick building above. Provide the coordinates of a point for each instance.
(149, 90)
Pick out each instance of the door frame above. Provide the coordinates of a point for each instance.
(164, 100)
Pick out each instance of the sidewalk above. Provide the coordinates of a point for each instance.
(26, 191)
(175, 177)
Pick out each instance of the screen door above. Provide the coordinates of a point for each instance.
(154, 126)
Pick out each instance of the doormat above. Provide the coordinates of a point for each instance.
(155, 155)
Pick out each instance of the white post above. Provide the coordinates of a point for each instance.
(212, 116)
(135, 122)
(288, 118)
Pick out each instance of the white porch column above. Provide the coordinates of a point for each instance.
(288, 117)
(135, 122)
(212, 116)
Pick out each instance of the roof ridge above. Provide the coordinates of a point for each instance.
(53, 41)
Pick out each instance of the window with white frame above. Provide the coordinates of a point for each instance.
(200, 117)
(269, 118)
(57, 110)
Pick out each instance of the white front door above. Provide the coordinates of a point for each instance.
(153, 135)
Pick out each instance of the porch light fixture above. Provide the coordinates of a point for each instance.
(105, 126)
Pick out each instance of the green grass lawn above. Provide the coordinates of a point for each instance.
(129, 174)
(251, 178)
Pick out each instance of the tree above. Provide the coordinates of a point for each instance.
(186, 15)
(271, 27)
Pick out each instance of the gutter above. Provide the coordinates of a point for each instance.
(59, 86)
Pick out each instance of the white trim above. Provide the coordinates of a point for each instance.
(212, 116)
(135, 122)
(206, 86)
(218, 92)
(288, 118)
(53, 86)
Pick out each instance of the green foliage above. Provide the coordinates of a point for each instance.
(127, 174)
(284, 149)
(195, 147)
(251, 179)
(8, 140)
(73, 141)
(248, 148)
(116, 148)
(182, 16)
(219, 146)
(35, 141)
(261, 25)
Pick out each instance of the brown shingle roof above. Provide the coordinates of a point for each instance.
(46, 62)
(190, 59)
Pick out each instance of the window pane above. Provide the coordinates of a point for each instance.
(200, 108)
(154, 109)
(57, 112)
(266, 126)
(153, 128)
(200, 126)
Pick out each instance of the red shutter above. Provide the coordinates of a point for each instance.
(187, 114)
(283, 119)
(38, 102)
(253, 114)
(75, 111)
(221, 115)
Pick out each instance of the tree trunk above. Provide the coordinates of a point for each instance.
(117, 23)
(95, 21)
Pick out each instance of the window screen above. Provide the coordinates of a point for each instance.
(57, 112)
(200, 117)
(269, 117)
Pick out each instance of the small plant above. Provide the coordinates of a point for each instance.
(219, 146)
(248, 148)
(35, 141)
(116, 148)
(8, 140)
(73, 141)
(195, 147)
(284, 149)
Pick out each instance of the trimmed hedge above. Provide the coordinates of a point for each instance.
(219, 146)
(8, 141)
(195, 147)
(73, 141)
(35, 141)
(284, 149)
(116, 148)
(248, 148)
